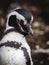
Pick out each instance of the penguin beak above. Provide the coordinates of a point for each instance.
(30, 31)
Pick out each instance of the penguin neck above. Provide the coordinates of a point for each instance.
(10, 28)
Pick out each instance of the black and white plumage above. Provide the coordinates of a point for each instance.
(14, 50)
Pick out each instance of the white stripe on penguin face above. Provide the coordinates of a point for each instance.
(18, 16)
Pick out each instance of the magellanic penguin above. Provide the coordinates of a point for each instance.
(14, 50)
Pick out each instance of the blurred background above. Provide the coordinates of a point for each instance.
(39, 43)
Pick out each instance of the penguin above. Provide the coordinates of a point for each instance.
(14, 49)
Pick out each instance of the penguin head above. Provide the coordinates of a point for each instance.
(21, 19)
